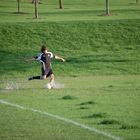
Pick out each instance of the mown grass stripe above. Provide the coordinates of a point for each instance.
(62, 119)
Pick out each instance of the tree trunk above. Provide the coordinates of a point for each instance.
(18, 2)
(38, 1)
(61, 4)
(107, 8)
(36, 9)
(136, 1)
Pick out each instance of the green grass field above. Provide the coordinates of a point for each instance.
(101, 75)
(87, 100)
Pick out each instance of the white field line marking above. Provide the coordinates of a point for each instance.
(62, 119)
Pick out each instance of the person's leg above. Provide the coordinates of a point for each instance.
(52, 79)
(39, 77)
(43, 77)
(34, 77)
(51, 76)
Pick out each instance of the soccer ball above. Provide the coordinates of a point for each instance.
(48, 86)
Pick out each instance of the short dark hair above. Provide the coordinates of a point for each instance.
(43, 48)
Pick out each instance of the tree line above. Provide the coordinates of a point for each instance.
(61, 6)
(36, 2)
(107, 6)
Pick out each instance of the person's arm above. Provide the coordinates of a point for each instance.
(33, 58)
(59, 58)
(30, 59)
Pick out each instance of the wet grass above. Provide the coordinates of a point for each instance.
(101, 72)
(108, 114)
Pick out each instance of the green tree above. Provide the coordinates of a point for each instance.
(61, 4)
(107, 8)
(136, 1)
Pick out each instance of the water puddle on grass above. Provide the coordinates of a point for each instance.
(9, 86)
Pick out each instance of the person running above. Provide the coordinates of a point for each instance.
(45, 58)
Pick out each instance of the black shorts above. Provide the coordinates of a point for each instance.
(46, 72)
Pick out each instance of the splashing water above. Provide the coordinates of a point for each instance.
(11, 86)
(55, 85)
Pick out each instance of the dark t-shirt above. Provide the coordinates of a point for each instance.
(45, 59)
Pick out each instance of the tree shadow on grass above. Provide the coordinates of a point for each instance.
(12, 62)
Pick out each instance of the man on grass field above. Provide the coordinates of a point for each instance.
(45, 58)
